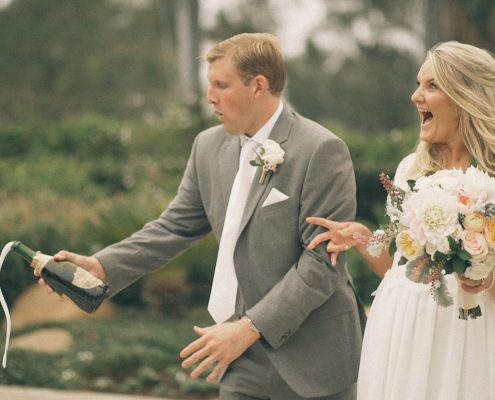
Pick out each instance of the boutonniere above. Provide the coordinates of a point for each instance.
(268, 157)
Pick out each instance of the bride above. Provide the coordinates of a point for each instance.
(414, 349)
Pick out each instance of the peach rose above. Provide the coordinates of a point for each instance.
(474, 243)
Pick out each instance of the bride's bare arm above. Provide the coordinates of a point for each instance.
(341, 236)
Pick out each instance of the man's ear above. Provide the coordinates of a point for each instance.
(261, 85)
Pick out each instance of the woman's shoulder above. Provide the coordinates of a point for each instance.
(407, 161)
(403, 173)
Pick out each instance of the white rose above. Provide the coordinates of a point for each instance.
(443, 245)
(446, 179)
(430, 248)
(273, 154)
(480, 267)
(440, 244)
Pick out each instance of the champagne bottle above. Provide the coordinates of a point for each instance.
(66, 278)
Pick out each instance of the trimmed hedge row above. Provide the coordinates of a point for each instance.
(85, 182)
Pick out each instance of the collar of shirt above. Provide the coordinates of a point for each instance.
(264, 132)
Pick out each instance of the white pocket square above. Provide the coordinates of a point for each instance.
(275, 196)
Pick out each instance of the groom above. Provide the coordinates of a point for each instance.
(287, 323)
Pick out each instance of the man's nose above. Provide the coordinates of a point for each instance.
(210, 96)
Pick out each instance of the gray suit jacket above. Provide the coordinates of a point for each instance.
(305, 308)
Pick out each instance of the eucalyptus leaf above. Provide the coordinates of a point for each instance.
(392, 248)
(441, 293)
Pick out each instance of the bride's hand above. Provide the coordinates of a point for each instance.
(476, 285)
(340, 235)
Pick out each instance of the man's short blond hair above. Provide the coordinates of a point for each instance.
(253, 54)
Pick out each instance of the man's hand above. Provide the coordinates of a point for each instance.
(90, 264)
(220, 344)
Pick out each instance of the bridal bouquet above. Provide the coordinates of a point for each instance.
(444, 223)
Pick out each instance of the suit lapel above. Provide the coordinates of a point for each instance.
(279, 134)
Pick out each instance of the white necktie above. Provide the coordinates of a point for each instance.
(224, 288)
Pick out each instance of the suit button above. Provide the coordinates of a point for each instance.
(285, 336)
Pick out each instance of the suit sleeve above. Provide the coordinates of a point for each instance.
(181, 225)
(328, 191)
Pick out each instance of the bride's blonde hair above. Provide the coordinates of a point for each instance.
(467, 75)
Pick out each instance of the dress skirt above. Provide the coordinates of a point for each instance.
(414, 349)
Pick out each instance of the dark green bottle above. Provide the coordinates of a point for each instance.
(66, 278)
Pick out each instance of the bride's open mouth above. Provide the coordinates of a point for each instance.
(426, 117)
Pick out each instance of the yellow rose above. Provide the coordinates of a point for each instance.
(474, 221)
(490, 232)
(408, 246)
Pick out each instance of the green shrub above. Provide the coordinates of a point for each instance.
(167, 292)
(85, 182)
(133, 352)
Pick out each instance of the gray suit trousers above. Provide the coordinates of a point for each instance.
(253, 377)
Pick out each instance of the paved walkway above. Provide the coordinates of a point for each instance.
(23, 393)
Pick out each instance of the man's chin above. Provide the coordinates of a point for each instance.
(232, 132)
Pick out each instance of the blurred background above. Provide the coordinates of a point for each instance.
(100, 101)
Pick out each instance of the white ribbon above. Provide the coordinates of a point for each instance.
(4, 253)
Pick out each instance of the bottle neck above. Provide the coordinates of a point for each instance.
(24, 251)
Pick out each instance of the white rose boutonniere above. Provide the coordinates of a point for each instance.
(268, 157)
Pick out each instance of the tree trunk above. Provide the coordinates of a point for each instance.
(187, 33)
(470, 22)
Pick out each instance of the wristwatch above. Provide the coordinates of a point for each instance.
(252, 326)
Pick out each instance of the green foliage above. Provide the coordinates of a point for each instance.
(167, 292)
(84, 183)
(73, 177)
(371, 155)
(115, 355)
(65, 156)
(350, 93)
(184, 283)
(364, 279)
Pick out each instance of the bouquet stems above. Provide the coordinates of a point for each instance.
(468, 303)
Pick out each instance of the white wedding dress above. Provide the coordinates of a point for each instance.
(414, 349)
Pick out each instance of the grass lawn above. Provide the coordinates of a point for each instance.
(135, 352)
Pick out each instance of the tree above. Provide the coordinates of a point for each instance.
(360, 64)
(243, 16)
(60, 57)
(188, 37)
(470, 22)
